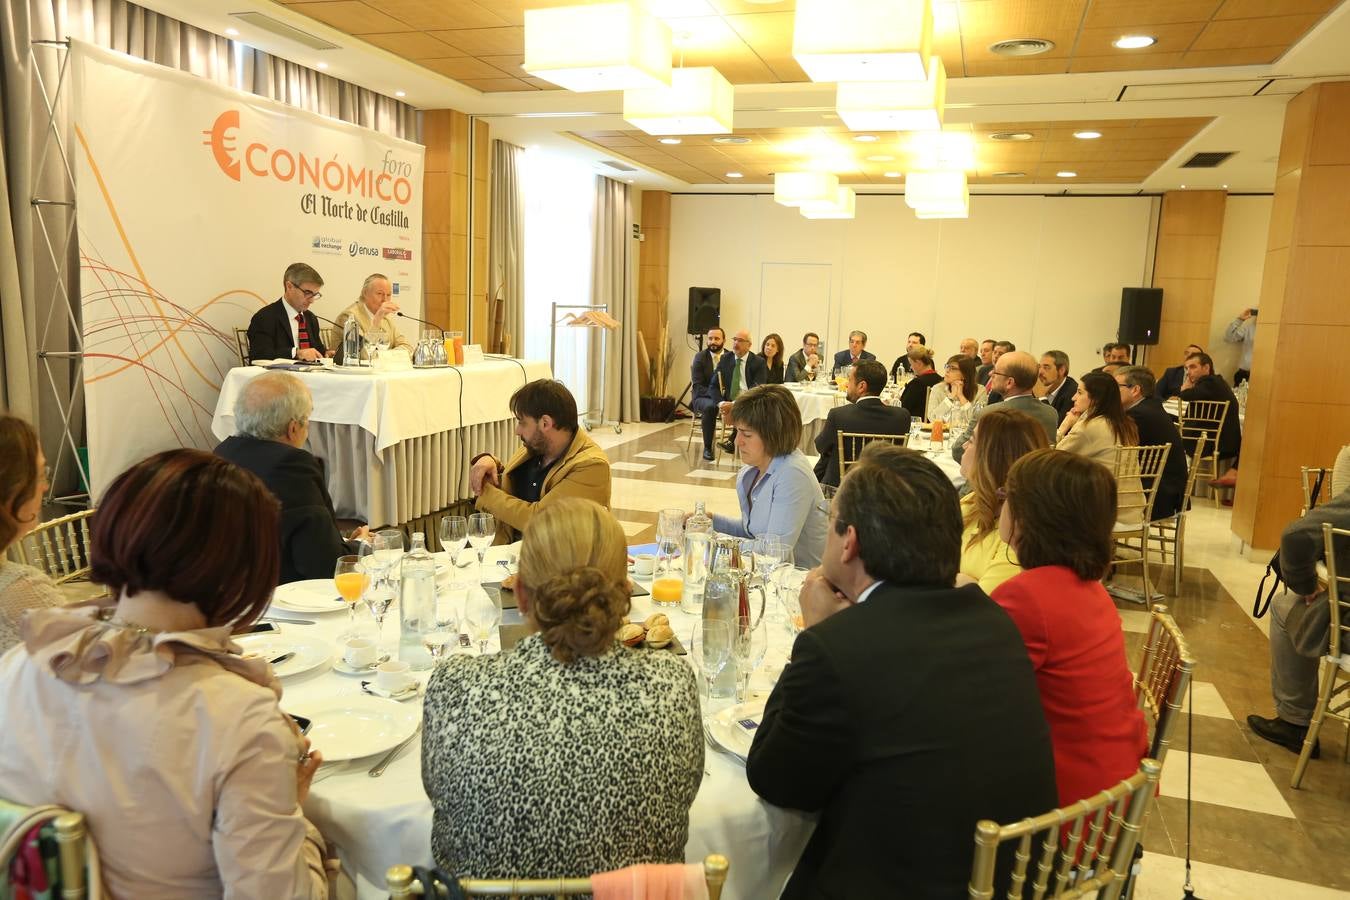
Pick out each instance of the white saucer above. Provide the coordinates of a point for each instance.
(340, 665)
(407, 693)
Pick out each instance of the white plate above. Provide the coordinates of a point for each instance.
(724, 728)
(355, 725)
(314, 596)
(350, 370)
(407, 693)
(310, 653)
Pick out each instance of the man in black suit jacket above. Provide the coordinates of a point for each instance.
(1156, 427)
(856, 352)
(909, 710)
(700, 375)
(1203, 383)
(726, 385)
(1053, 374)
(287, 329)
(1173, 378)
(272, 417)
(864, 414)
(902, 365)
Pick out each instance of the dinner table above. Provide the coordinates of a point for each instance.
(378, 822)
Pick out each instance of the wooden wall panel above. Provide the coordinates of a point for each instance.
(1296, 413)
(451, 213)
(653, 272)
(1185, 265)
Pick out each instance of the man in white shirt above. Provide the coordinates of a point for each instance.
(287, 329)
(1242, 330)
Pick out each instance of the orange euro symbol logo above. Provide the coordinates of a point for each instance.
(221, 141)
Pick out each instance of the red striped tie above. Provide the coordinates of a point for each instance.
(304, 332)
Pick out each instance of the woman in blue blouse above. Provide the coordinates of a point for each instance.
(777, 488)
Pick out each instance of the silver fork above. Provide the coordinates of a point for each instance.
(378, 769)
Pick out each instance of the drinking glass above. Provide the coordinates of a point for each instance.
(482, 529)
(790, 582)
(670, 524)
(378, 598)
(442, 631)
(454, 535)
(388, 546)
(710, 647)
(749, 647)
(771, 551)
(482, 613)
(351, 581)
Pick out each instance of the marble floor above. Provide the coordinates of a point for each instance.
(1251, 835)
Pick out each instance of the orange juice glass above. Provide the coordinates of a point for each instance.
(667, 591)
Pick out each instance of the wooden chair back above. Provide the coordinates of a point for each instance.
(1203, 417)
(241, 344)
(1080, 850)
(1308, 478)
(851, 444)
(402, 884)
(1138, 471)
(1165, 673)
(1333, 688)
(59, 547)
(77, 859)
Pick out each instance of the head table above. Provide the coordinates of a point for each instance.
(378, 822)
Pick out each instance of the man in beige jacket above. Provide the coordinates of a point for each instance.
(376, 311)
(557, 459)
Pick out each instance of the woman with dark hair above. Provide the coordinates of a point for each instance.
(955, 398)
(1058, 516)
(142, 715)
(771, 351)
(23, 481)
(523, 752)
(1002, 436)
(1098, 424)
(777, 488)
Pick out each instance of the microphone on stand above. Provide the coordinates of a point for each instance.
(423, 321)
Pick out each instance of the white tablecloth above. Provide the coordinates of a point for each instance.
(397, 444)
(377, 823)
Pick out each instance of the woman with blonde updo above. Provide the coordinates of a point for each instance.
(526, 754)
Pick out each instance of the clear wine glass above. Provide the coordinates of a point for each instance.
(442, 631)
(378, 599)
(482, 530)
(710, 646)
(388, 551)
(482, 614)
(790, 583)
(454, 536)
(351, 580)
(749, 648)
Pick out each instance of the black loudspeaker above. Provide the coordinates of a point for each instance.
(1140, 315)
(705, 309)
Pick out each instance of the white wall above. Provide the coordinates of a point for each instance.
(1237, 284)
(1043, 272)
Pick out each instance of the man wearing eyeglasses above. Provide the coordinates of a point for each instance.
(1013, 377)
(735, 372)
(287, 329)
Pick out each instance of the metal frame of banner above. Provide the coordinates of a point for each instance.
(61, 293)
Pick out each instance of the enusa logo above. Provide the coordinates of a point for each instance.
(228, 121)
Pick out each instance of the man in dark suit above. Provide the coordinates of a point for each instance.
(1156, 427)
(737, 371)
(1173, 378)
(272, 418)
(287, 329)
(856, 352)
(1013, 378)
(901, 365)
(883, 722)
(805, 363)
(1203, 383)
(986, 360)
(864, 414)
(915, 395)
(1053, 374)
(700, 376)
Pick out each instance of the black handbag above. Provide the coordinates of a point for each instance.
(1262, 604)
(434, 880)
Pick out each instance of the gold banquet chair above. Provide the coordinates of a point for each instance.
(1333, 695)
(60, 547)
(78, 874)
(1165, 673)
(1203, 417)
(1068, 862)
(852, 444)
(402, 884)
(241, 344)
(1318, 479)
(1170, 533)
(1138, 470)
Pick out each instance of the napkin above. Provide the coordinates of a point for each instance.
(683, 881)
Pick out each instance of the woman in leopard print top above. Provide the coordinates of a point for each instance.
(571, 754)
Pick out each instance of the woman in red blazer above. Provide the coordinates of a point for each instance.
(1058, 516)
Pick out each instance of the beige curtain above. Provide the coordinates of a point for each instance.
(36, 313)
(506, 251)
(616, 393)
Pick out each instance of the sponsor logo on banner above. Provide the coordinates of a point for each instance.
(396, 253)
(321, 244)
(357, 249)
(388, 180)
(394, 286)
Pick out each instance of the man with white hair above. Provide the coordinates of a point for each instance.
(376, 311)
(272, 418)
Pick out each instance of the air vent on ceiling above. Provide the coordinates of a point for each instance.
(281, 29)
(1022, 47)
(615, 164)
(1207, 160)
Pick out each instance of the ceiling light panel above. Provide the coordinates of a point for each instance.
(698, 101)
(842, 206)
(796, 188)
(605, 47)
(935, 190)
(863, 40)
(895, 105)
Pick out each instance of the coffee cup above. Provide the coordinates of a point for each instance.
(394, 676)
(359, 652)
(644, 564)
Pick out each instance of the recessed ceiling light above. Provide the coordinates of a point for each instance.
(731, 139)
(735, 175)
(1087, 135)
(1011, 136)
(323, 65)
(865, 138)
(1010, 174)
(1134, 41)
(1225, 187)
(880, 158)
(1183, 187)
(1066, 174)
(400, 93)
(668, 141)
(232, 32)
(630, 181)
(892, 174)
(1022, 47)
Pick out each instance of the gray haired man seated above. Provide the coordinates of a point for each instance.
(272, 418)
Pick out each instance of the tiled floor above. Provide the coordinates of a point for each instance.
(1251, 835)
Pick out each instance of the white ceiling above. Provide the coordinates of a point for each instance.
(1247, 102)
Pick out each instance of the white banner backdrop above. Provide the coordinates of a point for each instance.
(192, 200)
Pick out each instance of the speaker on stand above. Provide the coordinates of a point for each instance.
(1140, 318)
(705, 311)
